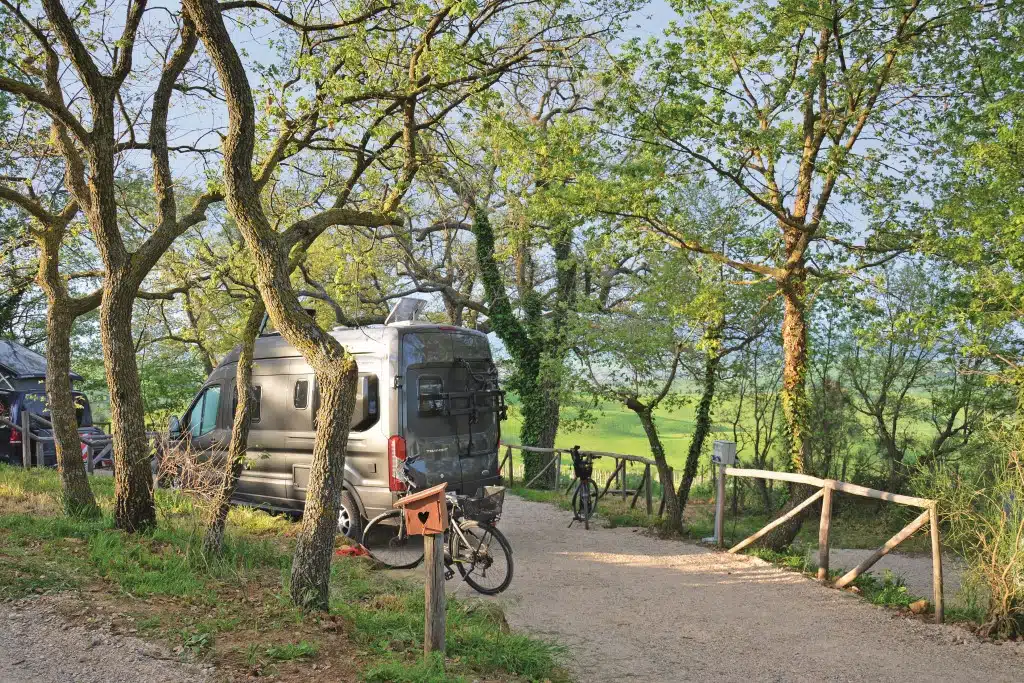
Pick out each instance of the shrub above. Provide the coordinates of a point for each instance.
(984, 520)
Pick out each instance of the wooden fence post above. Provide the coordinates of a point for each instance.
(511, 467)
(823, 531)
(433, 560)
(933, 522)
(647, 475)
(623, 480)
(720, 509)
(558, 475)
(26, 438)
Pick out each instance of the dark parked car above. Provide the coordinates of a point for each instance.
(23, 387)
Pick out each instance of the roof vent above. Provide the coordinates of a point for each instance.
(407, 309)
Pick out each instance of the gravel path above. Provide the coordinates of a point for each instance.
(38, 645)
(633, 607)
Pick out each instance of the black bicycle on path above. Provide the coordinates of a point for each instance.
(584, 498)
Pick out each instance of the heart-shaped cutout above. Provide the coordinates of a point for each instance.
(423, 516)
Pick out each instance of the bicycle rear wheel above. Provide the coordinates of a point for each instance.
(487, 564)
(389, 543)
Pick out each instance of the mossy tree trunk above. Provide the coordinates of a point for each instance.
(673, 511)
(77, 498)
(794, 400)
(534, 344)
(91, 151)
(335, 369)
(702, 425)
(213, 540)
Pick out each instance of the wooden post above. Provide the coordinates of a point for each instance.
(647, 476)
(89, 465)
(933, 522)
(433, 560)
(623, 480)
(26, 438)
(511, 467)
(903, 534)
(558, 476)
(720, 509)
(823, 531)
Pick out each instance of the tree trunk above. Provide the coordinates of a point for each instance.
(794, 405)
(335, 370)
(540, 427)
(76, 496)
(213, 541)
(311, 564)
(702, 427)
(133, 474)
(673, 511)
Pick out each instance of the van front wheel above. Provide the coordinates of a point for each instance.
(349, 522)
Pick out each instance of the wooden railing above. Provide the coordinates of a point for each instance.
(30, 441)
(617, 477)
(826, 489)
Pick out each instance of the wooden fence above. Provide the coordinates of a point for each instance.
(617, 482)
(826, 489)
(100, 445)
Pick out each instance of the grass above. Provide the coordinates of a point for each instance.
(233, 609)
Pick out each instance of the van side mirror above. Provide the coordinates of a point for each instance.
(174, 428)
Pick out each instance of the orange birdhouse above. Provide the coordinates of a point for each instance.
(426, 512)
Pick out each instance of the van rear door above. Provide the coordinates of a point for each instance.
(451, 407)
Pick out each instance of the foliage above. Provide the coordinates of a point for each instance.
(983, 513)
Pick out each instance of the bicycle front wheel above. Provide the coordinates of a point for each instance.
(389, 543)
(486, 564)
(584, 506)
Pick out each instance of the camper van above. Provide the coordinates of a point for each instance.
(424, 389)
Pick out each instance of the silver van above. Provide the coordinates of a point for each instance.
(424, 389)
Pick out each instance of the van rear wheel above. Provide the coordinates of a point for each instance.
(349, 522)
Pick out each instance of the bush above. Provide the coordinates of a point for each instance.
(984, 517)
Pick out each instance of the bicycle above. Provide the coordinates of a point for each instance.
(473, 546)
(584, 498)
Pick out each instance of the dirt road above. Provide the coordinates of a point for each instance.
(39, 643)
(632, 607)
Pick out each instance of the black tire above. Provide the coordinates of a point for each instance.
(350, 523)
(477, 562)
(577, 502)
(388, 543)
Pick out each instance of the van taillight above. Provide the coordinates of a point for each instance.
(15, 437)
(396, 456)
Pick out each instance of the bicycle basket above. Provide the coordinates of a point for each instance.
(485, 506)
(582, 467)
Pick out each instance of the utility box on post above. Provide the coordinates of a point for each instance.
(724, 453)
(426, 512)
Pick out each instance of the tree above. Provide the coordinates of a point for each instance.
(55, 54)
(780, 102)
(439, 63)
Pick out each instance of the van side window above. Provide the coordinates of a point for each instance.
(366, 412)
(429, 389)
(254, 409)
(367, 409)
(302, 394)
(203, 416)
